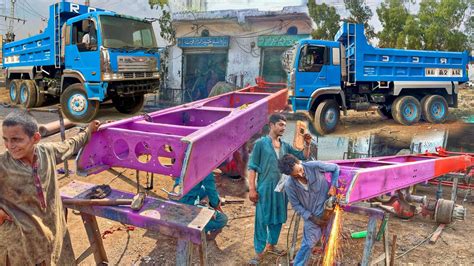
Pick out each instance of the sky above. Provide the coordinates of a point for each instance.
(35, 12)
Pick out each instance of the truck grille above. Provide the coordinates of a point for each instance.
(136, 64)
(137, 75)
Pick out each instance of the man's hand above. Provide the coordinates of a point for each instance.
(219, 207)
(317, 221)
(332, 191)
(4, 217)
(94, 126)
(307, 139)
(253, 196)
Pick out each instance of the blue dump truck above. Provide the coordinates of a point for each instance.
(84, 56)
(327, 77)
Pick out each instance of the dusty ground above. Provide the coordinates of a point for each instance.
(235, 245)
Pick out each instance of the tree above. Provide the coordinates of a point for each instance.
(393, 16)
(167, 31)
(361, 14)
(326, 20)
(440, 23)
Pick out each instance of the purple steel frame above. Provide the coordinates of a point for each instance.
(167, 217)
(186, 141)
(367, 178)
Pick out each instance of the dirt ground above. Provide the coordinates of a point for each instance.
(234, 246)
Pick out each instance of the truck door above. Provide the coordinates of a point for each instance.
(313, 69)
(82, 50)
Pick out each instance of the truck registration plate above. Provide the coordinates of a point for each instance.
(443, 72)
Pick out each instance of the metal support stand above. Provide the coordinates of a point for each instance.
(369, 241)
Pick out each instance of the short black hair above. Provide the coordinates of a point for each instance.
(275, 117)
(24, 119)
(287, 163)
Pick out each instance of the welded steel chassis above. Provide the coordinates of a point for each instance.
(186, 141)
(367, 178)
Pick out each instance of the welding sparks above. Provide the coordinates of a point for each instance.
(330, 253)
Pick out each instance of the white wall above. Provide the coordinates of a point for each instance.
(242, 59)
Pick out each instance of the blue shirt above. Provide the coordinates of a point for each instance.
(206, 187)
(311, 202)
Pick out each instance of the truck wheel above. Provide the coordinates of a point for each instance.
(129, 105)
(434, 108)
(406, 110)
(326, 117)
(76, 106)
(385, 112)
(15, 91)
(28, 93)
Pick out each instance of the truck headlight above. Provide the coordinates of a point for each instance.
(112, 76)
(156, 74)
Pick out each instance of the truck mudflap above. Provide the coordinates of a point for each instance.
(186, 141)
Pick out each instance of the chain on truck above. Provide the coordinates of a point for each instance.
(327, 77)
(85, 56)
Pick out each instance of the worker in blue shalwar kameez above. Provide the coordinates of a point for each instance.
(207, 188)
(271, 206)
(307, 191)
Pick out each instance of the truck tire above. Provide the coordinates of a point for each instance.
(434, 108)
(14, 89)
(76, 106)
(326, 116)
(129, 105)
(385, 112)
(28, 93)
(406, 110)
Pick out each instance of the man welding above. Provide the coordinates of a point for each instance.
(308, 192)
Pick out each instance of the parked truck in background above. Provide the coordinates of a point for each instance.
(84, 56)
(326, 77)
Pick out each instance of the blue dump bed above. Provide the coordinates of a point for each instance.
(366, 63)
(43, 49)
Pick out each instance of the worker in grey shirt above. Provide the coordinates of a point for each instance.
(307, 190)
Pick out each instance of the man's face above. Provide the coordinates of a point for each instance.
(298, 171)
(18, 143)
(278, 128)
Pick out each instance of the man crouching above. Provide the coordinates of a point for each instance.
(32, 225)
(307, 191)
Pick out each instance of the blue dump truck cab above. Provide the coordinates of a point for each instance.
(327, 77)
(84, 56)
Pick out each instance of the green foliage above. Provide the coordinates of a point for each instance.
(326, 20)
(440, 22)
(361, 14)
(436, 26)
(393, 15)
(167, 31)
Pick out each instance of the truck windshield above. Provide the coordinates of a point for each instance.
(119, 32)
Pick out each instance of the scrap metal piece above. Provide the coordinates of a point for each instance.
(444, 211)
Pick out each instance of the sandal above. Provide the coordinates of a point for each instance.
(275, 251)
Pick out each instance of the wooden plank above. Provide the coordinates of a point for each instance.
(394, 249)
(95, 239)
(203, 250)
(437, 233)
(386, 246)
(184, 252)
(378, 259)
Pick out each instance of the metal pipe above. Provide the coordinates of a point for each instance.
(372, 212)
(54, 127)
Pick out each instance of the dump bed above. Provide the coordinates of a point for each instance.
(43, 49)
(367, 63)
